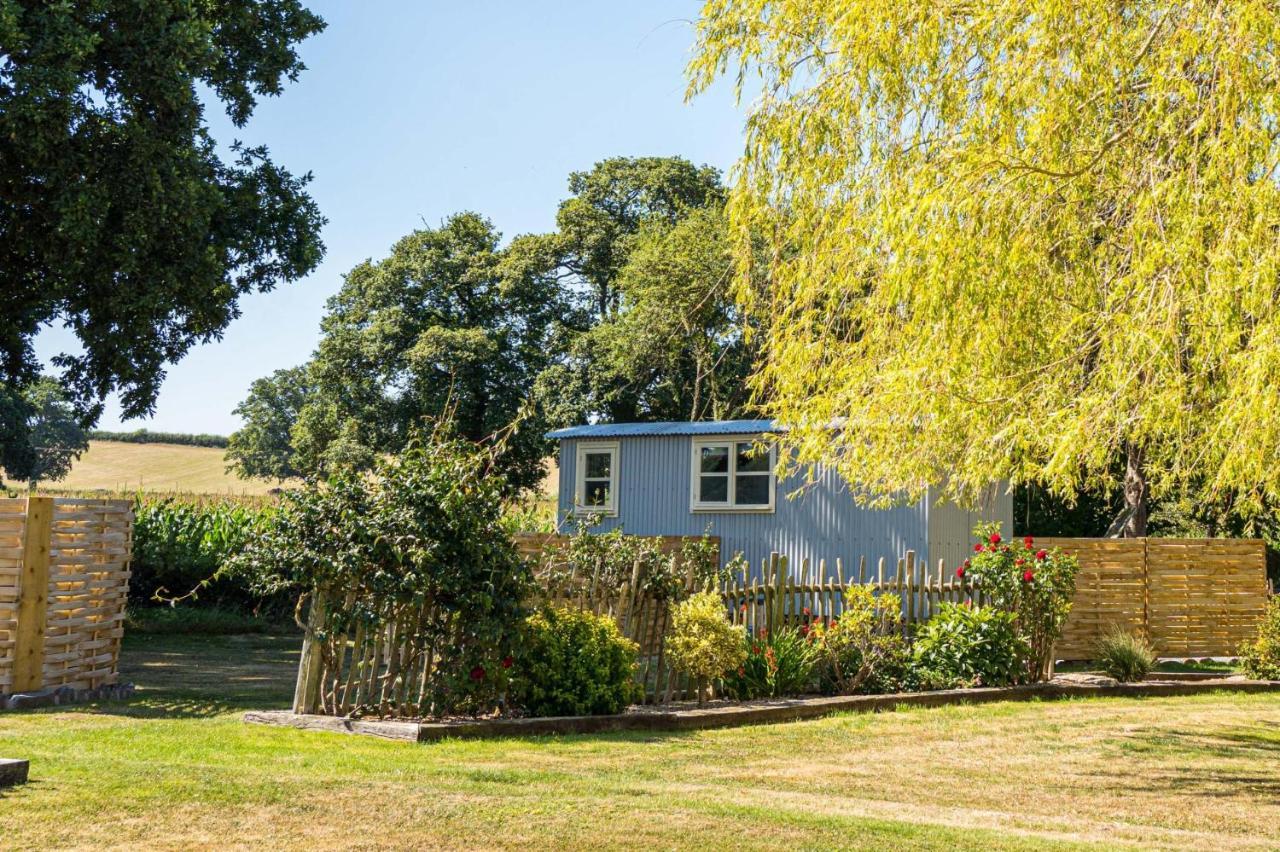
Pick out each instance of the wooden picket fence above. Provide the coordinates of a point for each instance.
(64, 578)
(1187, 597)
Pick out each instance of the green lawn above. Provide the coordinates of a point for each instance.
(175, 768)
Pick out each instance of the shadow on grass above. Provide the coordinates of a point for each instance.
(193, 676)
(1212, 762)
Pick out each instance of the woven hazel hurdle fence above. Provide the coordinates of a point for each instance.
(64, 577)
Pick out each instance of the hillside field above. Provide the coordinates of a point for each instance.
(120, 466)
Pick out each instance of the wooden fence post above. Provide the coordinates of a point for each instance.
(33, 595)
(306, 694)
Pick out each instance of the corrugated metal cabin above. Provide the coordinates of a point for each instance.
(691, 478)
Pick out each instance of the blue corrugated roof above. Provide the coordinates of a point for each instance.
(706, 427)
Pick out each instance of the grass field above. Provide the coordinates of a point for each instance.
(121, 466)
(175, 768)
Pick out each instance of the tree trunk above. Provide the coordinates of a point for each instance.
(1135, 493)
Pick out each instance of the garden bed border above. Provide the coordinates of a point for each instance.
(744, 713)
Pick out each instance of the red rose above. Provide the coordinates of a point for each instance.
(477, 673)
(1028, 576)
(960, 571)
(1019, 561)
(507, 662)
(977, 548)
(1028, 541)
(804, 630)
(805, 611)
(1041, 554)
(995, 538)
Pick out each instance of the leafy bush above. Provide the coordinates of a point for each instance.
(702, 643)
(421, 533)
(1034, 584)
(572, 663)
(1260, 657)
(863, 650)
(778, 664)
(202, 620)
(611, 558)
(1124, 656)
(969, 646)
(180, 546)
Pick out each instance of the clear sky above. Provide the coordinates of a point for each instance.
(412, 110)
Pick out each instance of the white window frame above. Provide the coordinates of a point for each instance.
(695, 470)
(610, 510)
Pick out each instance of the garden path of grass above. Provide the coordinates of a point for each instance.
(176, 768)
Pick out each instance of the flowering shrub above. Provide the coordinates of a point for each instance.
(1033, 584)
(1260, 657)
(857, 652)
(782, 663)
(702, 642)
(571, 663)
(964, 645)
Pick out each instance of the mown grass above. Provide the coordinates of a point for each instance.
(176, 768)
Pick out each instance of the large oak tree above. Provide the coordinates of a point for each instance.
(119, 217)
(1022, 240)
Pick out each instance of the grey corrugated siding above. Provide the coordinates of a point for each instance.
(951, 528)
(821, 523)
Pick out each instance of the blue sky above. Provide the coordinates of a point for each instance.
(410, 111)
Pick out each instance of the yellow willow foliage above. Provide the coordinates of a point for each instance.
(1012, 239)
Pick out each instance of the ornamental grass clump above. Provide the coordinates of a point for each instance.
(1124, 656)
(703, 643)
(1034, 584)
(1260, 656)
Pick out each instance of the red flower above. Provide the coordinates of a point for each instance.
(960, 571)
(1028, 575)
(804, 630)
(1027, 541)
(742, 672)
(1019, 561)
(977, 548)
(742, 608)
(507, 662)
(805, 611)
(967, 563)
(477, 673)
(995, 538)
(1041, 554)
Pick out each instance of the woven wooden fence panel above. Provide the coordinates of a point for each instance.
(1189, 597)
(77, 551)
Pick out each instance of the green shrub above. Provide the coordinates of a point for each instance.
(1260, 657)
(969, 646)
(1124, 656)
(863, 651)
(1032, 583)
(423, 531)
(203, 620)
(778, 664)
(702, 643)
(180, 546)
(572, 663)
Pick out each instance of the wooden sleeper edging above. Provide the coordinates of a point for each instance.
(733, 715)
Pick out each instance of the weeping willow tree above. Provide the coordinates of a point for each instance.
(1033, 241)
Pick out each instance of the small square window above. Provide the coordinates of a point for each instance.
(596, 485)
(732, 475)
